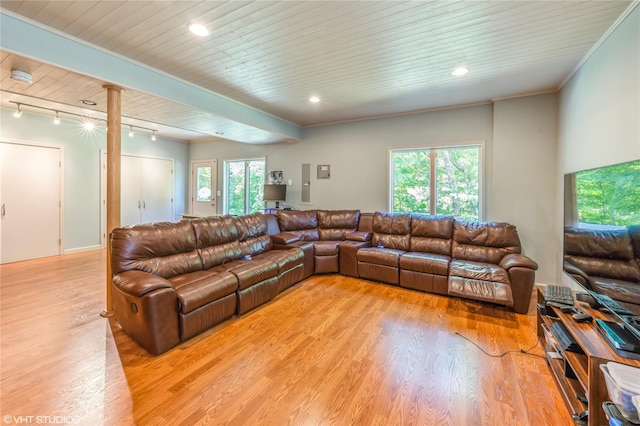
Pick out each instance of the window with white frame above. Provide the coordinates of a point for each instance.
(243, 186)
(442, 180)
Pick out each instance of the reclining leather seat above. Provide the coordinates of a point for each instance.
(426, 266)
(605, 261)
(487, 265)
(333, 227)
(391, 239)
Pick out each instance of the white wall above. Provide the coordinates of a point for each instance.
(599, 117)
(599, 120)
(524, 175)
(82, 168)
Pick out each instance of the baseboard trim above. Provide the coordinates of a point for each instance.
(81, 249)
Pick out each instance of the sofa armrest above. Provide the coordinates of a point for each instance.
(359, 236)
(517, 260)
(577, 273)
(138, 283)
(284, 238)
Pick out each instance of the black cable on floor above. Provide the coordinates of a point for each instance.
(522, 351)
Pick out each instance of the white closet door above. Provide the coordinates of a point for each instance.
(130, 191)
(31, 203)
(156, 189)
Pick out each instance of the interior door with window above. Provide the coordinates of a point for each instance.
(204, 177)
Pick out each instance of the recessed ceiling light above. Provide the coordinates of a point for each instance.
(314, 99)
(88, 102)
(199, 30)
(458, 71)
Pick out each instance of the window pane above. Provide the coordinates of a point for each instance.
(411, 175)
(235, 192)
(256, 186)
(203, 184)
(457, 182)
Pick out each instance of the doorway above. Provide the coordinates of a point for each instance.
(204, 178)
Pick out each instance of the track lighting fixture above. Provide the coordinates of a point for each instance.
(89, 123)
(18, 112)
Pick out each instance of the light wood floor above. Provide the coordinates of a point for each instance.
(330, 351)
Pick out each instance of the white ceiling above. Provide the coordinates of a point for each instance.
(363, 59)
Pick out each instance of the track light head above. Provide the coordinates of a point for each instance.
(18, 112)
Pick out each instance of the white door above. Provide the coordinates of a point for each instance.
(31, 201)
(204, 175)
(130, 188)
(156, 190)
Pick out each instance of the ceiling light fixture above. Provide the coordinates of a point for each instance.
(458, 71)
(199, 30)
(88, 102)
(314, 99)
(18, 112)
(153, 135)
(85, 120)
(21, 76)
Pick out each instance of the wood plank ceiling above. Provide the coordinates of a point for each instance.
(363, 59)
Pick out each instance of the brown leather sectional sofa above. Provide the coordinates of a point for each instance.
(605, 261)
(173, 280)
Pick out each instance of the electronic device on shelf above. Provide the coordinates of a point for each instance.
(618, 336)
(566, 341)
(602, 301)
(558, 294)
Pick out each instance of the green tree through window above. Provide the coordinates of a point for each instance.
(454, 172)
(244, 186)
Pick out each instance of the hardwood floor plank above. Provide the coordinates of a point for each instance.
(330, 350)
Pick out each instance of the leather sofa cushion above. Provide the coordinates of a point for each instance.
(214, 231)
(359, 236)
(484, 242)
(379, 256)
(392, 230)
(623, 291)
(252, 234)
(425, 263)
(336, 224)
(478, 271)
(284, 238)
(303, 223)
(431, 234)
(609, 268)
(480, 290)
(197, 289)
(605, 244)
(326, 248)
(254, 271)
(165, 249)
(284, 259)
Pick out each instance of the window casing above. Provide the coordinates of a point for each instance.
(437, 180)
(243, 186)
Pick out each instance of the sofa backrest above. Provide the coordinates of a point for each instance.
(217, 240)
(392, 230)
(431, 234)
(253, 235)
(365, 224)
(303, 223)
(602, 253)
(165, 249)
(484, 241)
(334, 225)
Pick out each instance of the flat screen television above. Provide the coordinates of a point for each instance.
(275, 193)
(601, 247)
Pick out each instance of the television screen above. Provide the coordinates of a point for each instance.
(275, 193)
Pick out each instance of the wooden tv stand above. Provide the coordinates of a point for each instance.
(580, 374)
